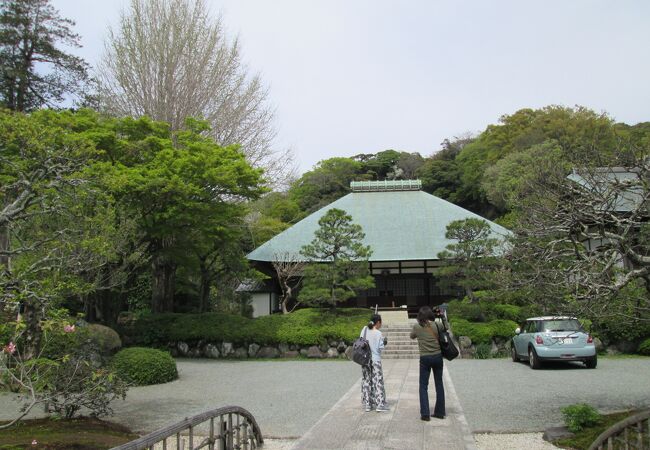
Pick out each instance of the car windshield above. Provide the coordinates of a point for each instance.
(561, 325)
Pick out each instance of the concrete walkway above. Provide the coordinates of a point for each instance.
(347, 426)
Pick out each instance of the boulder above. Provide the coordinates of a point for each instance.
(291, 354)
(241, 353)
(183, 348)
(612, 350)
(314, 352)
(494, 348)
(332, 353)
(464, 342)
(303, 351)
(211, 351)
(194, 352)
(323, 348)
(341, 347)
(283, 347)
(333, 343)
(294, 347)
(268, 352)
(348, 353)
(252, 350)
(227, 349)
(626, 346)
(599, 345)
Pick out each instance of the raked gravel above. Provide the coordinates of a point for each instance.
(520, 441)
(501, 396)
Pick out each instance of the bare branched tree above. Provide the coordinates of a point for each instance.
(170, 60)
(290, 271)
(584, 240)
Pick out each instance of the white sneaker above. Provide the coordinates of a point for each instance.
(382, 409)
(368, 409)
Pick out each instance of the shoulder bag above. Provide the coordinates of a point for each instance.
(361, 353)
(447, 347)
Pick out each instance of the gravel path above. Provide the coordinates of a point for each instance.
(528, 441)
(285, 397)
(498, 395)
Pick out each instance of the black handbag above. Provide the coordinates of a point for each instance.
(447, 347)
(361, 353)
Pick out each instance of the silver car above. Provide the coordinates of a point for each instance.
(553, 338)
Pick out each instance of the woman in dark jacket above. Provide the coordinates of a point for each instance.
(426, 332)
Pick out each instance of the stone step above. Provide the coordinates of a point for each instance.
(401, 347)
(400, 352)
(401, 357)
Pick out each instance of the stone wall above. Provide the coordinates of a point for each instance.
(220, 350)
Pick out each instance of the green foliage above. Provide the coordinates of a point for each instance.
(338, 265)
(483, 333)
(469, 260)
(105, 339)
(483, 351)
(144, 366)
(303, 327)
(580, 416)
(644, 347)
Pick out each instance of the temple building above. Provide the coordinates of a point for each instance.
(405, 228)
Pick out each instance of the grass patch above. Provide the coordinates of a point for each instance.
(73, 434)
(583, 439)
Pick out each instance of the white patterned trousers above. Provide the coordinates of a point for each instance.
(373, 394)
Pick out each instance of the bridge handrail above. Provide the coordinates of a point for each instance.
(151, 439)
(620, 427)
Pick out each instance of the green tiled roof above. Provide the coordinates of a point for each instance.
(399, 226)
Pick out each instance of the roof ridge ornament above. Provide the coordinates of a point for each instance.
(386, 185)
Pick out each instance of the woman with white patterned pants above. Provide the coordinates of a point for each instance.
(373, 394)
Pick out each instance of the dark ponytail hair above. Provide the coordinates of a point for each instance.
(424, 315)
(373, 321)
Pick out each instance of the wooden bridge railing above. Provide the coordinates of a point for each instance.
(632, 433)
(229, 428)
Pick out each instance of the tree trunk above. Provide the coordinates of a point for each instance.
(204, 289)
(4, 247)
(33, 333)
(163, 283)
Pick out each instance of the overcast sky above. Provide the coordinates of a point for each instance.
(352, 76)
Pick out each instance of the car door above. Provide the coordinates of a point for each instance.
(520, 340)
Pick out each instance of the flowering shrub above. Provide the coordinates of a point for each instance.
(64, 374)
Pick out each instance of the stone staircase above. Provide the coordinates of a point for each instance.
(400, 345)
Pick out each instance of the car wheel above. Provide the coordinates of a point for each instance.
(513, 352)
(592, 362)
(533, 359)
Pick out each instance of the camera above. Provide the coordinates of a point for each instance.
(438, 313)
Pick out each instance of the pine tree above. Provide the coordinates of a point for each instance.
(34, 70)
(338, 265)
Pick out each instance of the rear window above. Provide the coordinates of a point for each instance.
(561, 325)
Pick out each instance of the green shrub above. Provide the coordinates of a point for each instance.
(483, 351)
(483, 333)
(465, 310)
(309, 326)
(143, 366)
(644, 347)
(497, 311)
(579, 416)
(105, 339)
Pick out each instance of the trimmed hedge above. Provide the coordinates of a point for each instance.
(483, 333)
(308, 326)
(144, 366)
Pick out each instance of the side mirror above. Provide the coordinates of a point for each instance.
(517, 330)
